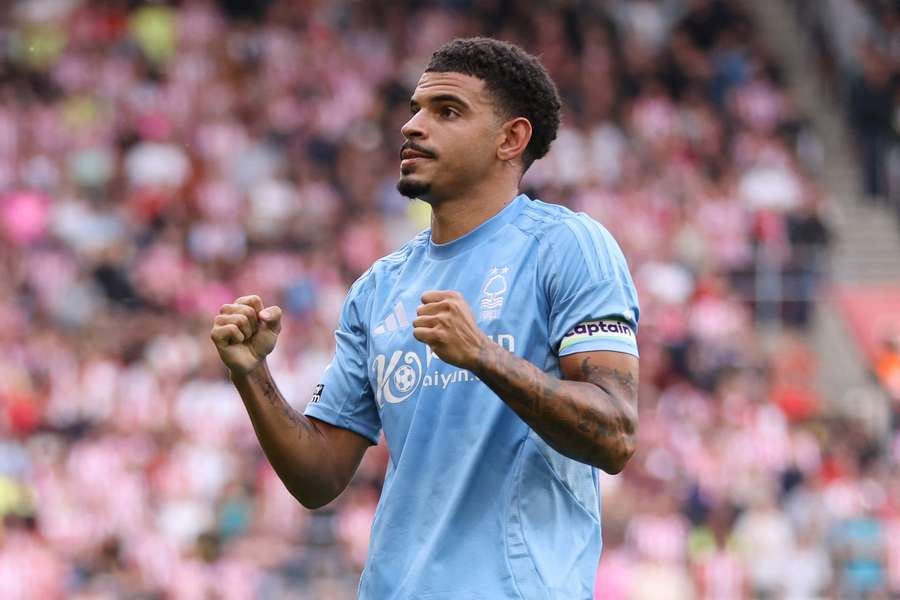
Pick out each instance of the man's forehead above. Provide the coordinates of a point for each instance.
(433, 83)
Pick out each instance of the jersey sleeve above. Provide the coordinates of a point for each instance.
(344, 397)
(592, 301)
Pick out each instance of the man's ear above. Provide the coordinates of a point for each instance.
(516, 133)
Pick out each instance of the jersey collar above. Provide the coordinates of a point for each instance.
(480, 234)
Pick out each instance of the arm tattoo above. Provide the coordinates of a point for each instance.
(592, 420)
(273, 396)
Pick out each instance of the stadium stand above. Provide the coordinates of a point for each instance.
(858, 44)
(159, 159)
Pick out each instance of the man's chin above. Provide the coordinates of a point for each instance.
(412, 188)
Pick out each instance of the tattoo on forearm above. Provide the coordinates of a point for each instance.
(592, 420)
(274, 398)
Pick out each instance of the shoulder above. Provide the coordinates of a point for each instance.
(567, 236)
(540, 218)
(555, 223)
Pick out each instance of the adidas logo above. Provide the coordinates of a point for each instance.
(394, 321)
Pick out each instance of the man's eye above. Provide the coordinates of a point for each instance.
(449, 113)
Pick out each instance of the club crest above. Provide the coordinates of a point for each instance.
(492, 293)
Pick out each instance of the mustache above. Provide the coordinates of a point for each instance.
(410, 145)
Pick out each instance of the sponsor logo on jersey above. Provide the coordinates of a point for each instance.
(401, 374)
(605, 329)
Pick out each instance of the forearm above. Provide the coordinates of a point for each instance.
(589, 421)
(295, 447)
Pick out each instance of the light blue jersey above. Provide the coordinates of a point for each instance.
(476, 504)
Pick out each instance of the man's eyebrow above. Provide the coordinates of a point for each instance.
(452, 98)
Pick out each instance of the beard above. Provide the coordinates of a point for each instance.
(413, 189)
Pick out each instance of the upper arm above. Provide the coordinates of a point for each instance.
(616, 373)
(345, 449)
(593, 305)
(343, 409)
(594, 312)
(344, 396)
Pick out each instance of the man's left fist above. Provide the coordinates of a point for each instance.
(446, 324)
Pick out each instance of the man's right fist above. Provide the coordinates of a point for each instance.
(245, 333)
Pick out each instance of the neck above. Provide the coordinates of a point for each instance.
(452, 218)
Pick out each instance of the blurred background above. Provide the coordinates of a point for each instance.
(158, 159)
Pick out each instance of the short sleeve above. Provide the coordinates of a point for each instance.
(344, 397)
(592, 301)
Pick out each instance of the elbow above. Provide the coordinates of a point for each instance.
(313, 504)
(313, 497)
(615, 458)
(312, 501)
(615, 463)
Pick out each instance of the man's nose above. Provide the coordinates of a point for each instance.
(414, 127)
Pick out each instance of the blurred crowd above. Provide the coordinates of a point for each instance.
(859, 46)
(160, 159)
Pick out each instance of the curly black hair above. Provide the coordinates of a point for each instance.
(518, 81)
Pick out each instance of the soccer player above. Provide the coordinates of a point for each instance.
(495, 350)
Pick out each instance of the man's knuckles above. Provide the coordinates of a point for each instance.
(239, 320)
(442, 305)
(439, 295)
(426, 320)
(252, 300)
(222, 319)
(224, 333)
(247, 312)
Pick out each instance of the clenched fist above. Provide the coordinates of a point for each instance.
(245, 333)
(445, 323)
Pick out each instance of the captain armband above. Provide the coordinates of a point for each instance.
(603, 330)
